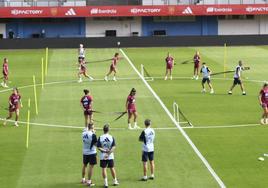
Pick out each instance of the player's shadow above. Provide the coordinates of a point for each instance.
(73, 185)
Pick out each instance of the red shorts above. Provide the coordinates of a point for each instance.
(131, 110)
(88, 112)
(169, 66)
(196, 65)
(83, 71)
(5, 76)
(13, 108)
(112, 68)
(264, 104)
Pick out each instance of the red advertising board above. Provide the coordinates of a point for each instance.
(108, 11)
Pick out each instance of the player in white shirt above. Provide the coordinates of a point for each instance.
(81, 53)
(147, 137)
(205, 71)
(237, 78)
(106, 145)
(89, 153)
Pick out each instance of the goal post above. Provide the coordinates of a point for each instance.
(180, 117)
(145, 74)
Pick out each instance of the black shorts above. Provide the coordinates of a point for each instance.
(107, 163)
(206, 80)
(80, 58)
(146, 155)
(237, 81)
(91, 159)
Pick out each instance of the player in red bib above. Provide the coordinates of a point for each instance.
(197, 61)
(113, 69)
(5, 73)
(86, 103)
(14, 106)
(83, 71)
(169, 66)
(263, 99)
(131, 108)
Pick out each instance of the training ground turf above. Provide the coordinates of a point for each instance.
(54, 156)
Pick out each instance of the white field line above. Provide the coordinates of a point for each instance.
(156, 128)
(213, 173)
(77, 127)
(122, 78)
(68, 81)
(223, 126)
(133, 78)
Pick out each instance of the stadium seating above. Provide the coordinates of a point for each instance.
(45, 3)
(12, 3)
(75, 3)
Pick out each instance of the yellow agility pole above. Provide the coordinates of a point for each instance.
(225, 59)
(28, 124)
(29, 103)
(35, 95)
(46, 61)
(42, 72)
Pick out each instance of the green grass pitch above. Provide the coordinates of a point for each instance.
(54, 156)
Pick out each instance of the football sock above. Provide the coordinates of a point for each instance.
(105, 181)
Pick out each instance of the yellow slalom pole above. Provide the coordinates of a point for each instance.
(224, 59)
(35, 95)
(46, 61)
(28, 124)
(29, 103)
(42, 74)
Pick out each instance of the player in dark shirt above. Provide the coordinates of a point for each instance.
(113, 69)
(83, 71)
(131, 108)
(14, 106)
(263, 100)
(86, 103)
(197, 60)
(5, 73)
(169, 66)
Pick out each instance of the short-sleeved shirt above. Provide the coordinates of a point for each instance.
(114, 61)
(264, 95)
(205, 71)
(197, 59)
(5, 68)
(238, 71)
(147, 137)
(86, 102)
(14, 99)
(131, 102)
(169, 61)
(89, 140)
(106, 141)
(81, 52)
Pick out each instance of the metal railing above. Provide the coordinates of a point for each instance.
(49, 3)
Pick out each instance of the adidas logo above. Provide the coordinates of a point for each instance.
(70, 12)
(188, 10)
